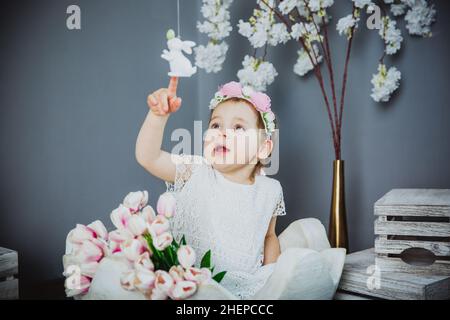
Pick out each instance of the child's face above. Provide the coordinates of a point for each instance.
(233, 138)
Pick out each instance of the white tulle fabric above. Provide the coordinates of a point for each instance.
(229, 218)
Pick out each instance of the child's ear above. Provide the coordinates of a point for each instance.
(265, 149)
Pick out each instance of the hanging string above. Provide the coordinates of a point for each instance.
(178, 18)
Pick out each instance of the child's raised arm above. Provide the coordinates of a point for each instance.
(149, 155)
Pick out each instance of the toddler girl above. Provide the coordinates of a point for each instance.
(224, 201)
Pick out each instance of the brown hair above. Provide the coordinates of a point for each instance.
(260, 125)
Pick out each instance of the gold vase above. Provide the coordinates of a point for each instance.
(337, 231)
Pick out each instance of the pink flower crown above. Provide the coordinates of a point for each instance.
(259, 100)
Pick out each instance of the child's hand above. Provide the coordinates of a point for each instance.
(165, 101)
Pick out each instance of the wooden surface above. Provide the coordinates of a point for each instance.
(9, 269)
(417, 197)
(360, 269)
(420, 229)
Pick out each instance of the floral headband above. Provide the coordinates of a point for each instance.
(259, 100)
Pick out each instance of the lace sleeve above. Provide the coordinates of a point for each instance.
(185, 166)
(280, 209)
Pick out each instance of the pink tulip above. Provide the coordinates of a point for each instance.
(91, 251)
(177, 273)
(144, 262)
(162, 241)
(132, 249)
(135, 201)
(148, 214)
(158, 294)
(183, 290)
(159, 225)
(120, 235)
(127, 280)
(137, 225)
(166, 205)
(197, 275)
(120, 217)
(261, 101)
(231, 88)
(99, 230)
(164, 281)
(145, 280)
(80, 233)
(186, 256)
(145, 244)
(81, 288)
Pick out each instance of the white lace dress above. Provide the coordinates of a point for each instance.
(227, 217)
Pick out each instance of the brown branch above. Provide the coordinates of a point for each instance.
(344, 80)
(318, 75)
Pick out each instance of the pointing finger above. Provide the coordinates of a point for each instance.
(172, 89)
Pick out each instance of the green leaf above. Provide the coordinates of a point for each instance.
(212, 269)
(218, 277)
(206, 260)
(183, 240)
(175, 244)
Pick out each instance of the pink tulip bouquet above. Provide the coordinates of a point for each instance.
(158, 266)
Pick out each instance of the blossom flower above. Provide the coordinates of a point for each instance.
(211, 57)
(304, 64)
(217, 26)
(307, 31)
(345, 25)
(261, 28)
(398, 9)
(385, 82)
(362, 3)
(391, 35)
(217, 19)
(420, 17)
(256, 73)
(317, 5)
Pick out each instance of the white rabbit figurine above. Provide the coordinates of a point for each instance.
(180, 66)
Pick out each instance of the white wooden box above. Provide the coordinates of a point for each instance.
(362, 279)
(9, 269)
(412, 231)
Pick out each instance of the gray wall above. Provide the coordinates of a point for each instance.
(73, 102)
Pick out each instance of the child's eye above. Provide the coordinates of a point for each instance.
(239, 127)
(214, 126)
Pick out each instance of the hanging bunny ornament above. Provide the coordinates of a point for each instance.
(180, 66)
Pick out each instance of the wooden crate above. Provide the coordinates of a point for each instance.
(361, 279)
(9, 269)
(412, 231)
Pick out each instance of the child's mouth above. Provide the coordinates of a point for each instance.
(221, 150)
